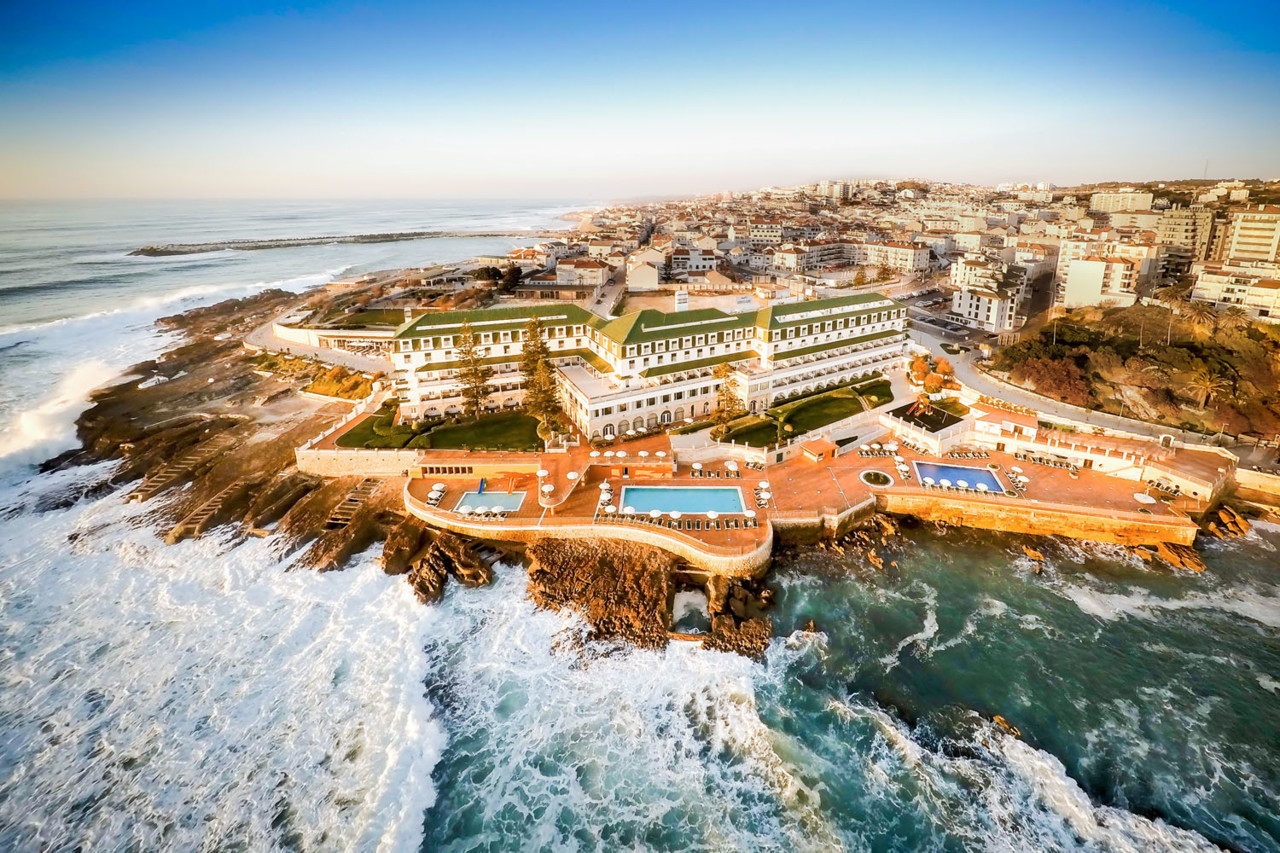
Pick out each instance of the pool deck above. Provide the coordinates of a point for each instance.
(805, 494)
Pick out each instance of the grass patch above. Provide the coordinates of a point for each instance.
(754, 432)
(688, 429)
(500, 431)
(951, 406)
(340, 382)
(876, 393)
(820, 411)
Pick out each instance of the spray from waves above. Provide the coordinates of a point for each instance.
(927, 631)
(51, 422)
(200, 293)
(200, 695)
(554, 748)
(1255, 605)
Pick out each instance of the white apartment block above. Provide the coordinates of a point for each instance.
(1098, 280)
(1186, 231)
(1253, 234)
(985, 308)
(1110, 202)
(651, 367)
(589, 272)
(1253, 285)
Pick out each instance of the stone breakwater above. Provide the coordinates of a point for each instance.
(294, 242)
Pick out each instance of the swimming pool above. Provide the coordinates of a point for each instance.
(958, 473)
(691, 500)
(510, 501)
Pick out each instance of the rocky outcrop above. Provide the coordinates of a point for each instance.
(738, 623)
(620, 588)
(433, 560)
(402, 546)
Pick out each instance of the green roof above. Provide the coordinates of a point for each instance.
(653, 325)
(676, 367)
(782, 316)
(493, 319)
(510, 358)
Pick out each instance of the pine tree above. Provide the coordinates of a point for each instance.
(728, 406)
(473, 374)
(540, 399)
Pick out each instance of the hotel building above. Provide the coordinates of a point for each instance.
(652, 368)
(1253, 285)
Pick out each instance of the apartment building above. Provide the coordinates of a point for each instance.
(1100, 280)
(589, 272)
(652, 367)
(1111, 202)
(1253, 234)
(1187, 232)
(1252, 285)
(982, 299)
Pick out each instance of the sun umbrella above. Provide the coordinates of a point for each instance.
(749, 513)
(660, 453)
(899, 459)
(609, 453)
(712, 514)
(766, 495)
(629, 510)
(543, 472)
(676, 515)
(946, 483)
(764, 484)
(610, 509)
(630, 433)
(465, 509)
(548, 489)
(862, 447)
(982, 487)
(1023, 478)
(962, 484)
(875, 446)
(439, 487)
(655, 513)
(1015, 469)
(928, 481)
(697, 466)
(621, 453)
(731, 465)
(595, 454)
(642, 453)
(605, 485)
(572, 475)
(1143, 498)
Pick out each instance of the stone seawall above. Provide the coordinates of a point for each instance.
(748, 564)
(356, 463)
(1021, 516)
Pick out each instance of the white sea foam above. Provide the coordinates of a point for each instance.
(1258, 606)
(201, 695)
(921, 638)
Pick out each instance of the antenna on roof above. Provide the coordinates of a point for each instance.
(1205, 176)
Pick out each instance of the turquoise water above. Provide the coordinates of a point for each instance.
(955, 473)
(510, 501)
(1147, 703)
(686, 499)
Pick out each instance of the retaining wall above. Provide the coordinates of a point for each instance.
(1014, 515)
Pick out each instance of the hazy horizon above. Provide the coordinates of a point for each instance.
(397, 101)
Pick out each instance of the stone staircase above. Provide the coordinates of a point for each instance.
(195, 523)
(343, 512)
(158, 480)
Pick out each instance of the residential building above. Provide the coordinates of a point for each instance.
(1187, 232)
(1252, 285)
(585, 271)
(1110, 202)
(1098, 280)
(1253, 234)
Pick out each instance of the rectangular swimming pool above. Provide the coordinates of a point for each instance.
(959, 473)
(510, 501)
(690, 500)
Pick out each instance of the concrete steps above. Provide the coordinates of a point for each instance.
(158, 480)
(346, 509)
(196, 523)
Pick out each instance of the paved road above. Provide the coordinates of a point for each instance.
(265, 338)
(967, 373)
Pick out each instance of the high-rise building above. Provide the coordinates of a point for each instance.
(1253, 234)
(1113, 202)
(1187, 232)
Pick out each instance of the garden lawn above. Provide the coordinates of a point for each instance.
(761, 433)
(823, 410)
(502, 431)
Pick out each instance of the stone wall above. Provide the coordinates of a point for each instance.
(749, 564)
(356, 463)
(1022, 516)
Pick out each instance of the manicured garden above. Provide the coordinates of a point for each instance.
(495, 431)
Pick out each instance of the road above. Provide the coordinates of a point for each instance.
(967, 373)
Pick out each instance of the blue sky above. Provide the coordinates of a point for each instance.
(607, 100)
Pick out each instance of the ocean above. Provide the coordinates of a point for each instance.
(203, 696)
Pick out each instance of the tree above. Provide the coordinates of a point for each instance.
(919, 368)
(668, 274)
(1236, 317)
(1202, 315)
(1207, 385)
(932, 383)
(943, 368)
(510, 278)
(883, 274)
(473, 374)
(486, 274)
(728, 406)
(540, 397)
(861, 277)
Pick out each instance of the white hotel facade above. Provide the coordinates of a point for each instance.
(652, 368)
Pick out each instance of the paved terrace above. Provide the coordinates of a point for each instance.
(802, 491)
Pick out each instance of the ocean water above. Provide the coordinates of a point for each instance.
(204, 696)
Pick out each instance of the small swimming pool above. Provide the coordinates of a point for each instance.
(691, 500)
(510, 501)
(958, 473)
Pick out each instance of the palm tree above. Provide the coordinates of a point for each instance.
(1207, 385)
(1235, 317)
(1202, 315)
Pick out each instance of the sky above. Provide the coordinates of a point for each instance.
(608, 100)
